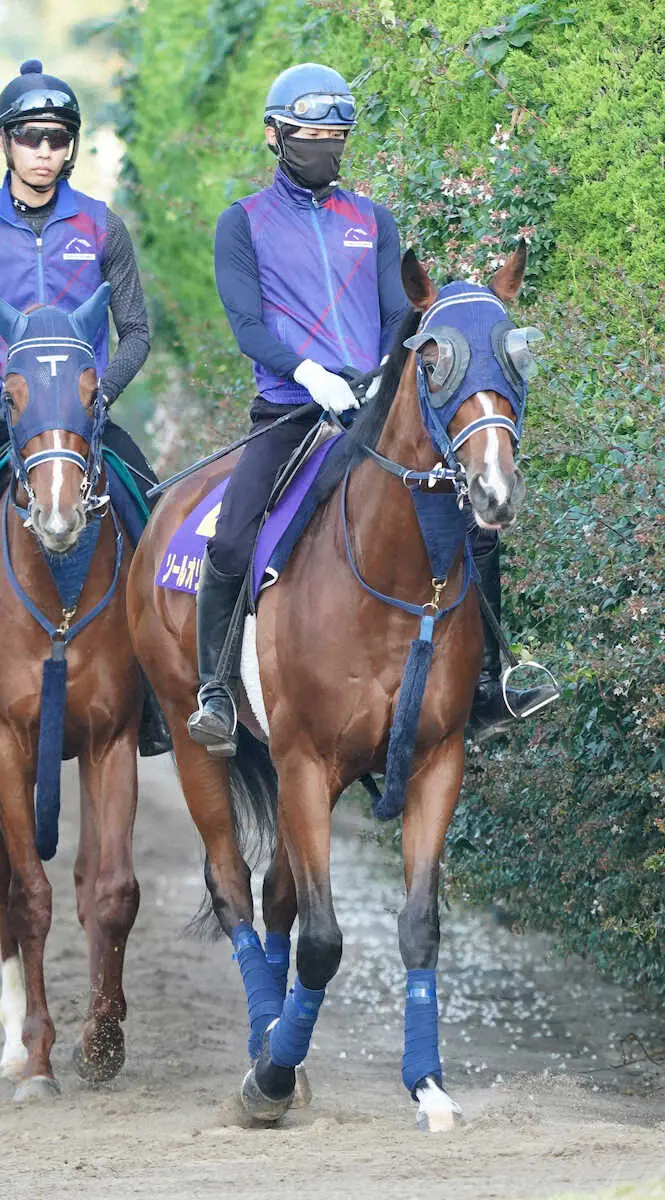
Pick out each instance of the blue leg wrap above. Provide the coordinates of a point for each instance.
(278, 954)
(289, 1040)
(264, 997)
(421, 1029)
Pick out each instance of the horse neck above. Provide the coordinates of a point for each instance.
(385, 533)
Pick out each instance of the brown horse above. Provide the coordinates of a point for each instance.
(54, 413)
(332, 658)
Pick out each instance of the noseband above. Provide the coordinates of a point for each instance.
(53, 407)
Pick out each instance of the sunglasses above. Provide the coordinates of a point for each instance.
(316, 106)
(33, 136)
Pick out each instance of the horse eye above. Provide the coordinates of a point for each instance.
(429, 368)
(9, 399)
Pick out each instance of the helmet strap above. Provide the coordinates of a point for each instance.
(6, 145)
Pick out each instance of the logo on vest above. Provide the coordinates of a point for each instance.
(357, 236)
(79, 250)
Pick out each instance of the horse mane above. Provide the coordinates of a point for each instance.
(367, 426)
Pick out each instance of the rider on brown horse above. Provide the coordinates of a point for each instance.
(57, 246)
(309, 276)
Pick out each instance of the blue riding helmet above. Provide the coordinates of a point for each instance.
(311, 94)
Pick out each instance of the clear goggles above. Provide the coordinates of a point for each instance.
(316, 106)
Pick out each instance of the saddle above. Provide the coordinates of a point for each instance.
(291, 506)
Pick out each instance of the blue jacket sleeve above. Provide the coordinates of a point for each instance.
(237, 279)
(393, 302)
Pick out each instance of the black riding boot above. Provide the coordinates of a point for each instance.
(489, 714)
(154, 736)
(214, 723)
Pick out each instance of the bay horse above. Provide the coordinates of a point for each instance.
(57, 521)
(332, 637)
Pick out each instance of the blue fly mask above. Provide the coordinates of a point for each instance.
(50, 349)
(480, 350)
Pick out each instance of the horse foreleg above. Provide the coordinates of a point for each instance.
(431, 800)
(280, 908)
(304, 810)
(12, 993)
(28, 920)
(107, 900)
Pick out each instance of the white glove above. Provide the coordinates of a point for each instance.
(330, 391)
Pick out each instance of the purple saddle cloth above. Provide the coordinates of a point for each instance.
(180, 567)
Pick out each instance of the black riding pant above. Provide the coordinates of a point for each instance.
(251, 483)
(482, 540)
(118, 440)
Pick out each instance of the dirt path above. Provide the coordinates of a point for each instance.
(517, 1024)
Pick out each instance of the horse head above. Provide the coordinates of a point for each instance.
(473, 367)
(55, 414)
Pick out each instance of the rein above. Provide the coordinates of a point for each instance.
(63, 634)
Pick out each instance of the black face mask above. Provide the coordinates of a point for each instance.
(313, 162)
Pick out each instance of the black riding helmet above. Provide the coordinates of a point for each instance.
(33, 96)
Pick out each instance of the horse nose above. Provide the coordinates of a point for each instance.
(497, 505)
(55, 524)
(56, 527)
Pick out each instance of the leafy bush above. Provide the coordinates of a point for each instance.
(566, 822)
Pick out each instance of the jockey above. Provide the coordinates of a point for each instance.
(58, 245)
(309, 276)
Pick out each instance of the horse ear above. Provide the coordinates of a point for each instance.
(507, 281)
(13, 323)
(88, 318)
(417, 284)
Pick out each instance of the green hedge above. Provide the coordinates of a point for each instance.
(565, 823)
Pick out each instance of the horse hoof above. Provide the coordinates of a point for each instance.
(99, 1068)
(302, 1095)
(259, 1106)
(437, 1111)
(37, 1087)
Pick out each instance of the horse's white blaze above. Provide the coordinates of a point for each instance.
(12, 1016)
(249, 673)
(495, 480)
(56, 522)
(437, 1111)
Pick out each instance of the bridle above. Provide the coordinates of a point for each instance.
(89, 426)
(438, 409)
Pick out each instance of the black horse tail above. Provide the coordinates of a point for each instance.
(253, 783)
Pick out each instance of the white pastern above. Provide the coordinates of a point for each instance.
(12, 1016)
(495, 480)
(437, 1111)
(249, 673)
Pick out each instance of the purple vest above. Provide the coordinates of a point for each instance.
(318, 278)
(63, 267)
